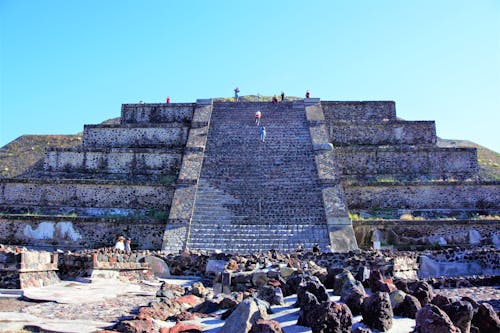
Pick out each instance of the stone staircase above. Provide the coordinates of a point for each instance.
(254, 196)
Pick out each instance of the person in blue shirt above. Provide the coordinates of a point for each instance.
(262, 131)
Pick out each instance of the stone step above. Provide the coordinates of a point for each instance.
(253, 196)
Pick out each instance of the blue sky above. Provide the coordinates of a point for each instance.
(64, 64)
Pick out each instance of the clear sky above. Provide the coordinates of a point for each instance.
(67, 63)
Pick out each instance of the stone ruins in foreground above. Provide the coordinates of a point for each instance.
(195, 175)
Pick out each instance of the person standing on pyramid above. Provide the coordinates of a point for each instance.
(308, 94)
(282, 96)
(258, 115)
(262, 131)
(236, 94)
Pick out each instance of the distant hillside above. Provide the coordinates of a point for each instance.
(488, 160)
(26, 151)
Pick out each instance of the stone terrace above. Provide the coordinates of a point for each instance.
(202, 166)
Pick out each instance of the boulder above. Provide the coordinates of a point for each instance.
(397, 297)
(330, 317)
(377, 311)
(332, 272)
(377, 282)
(422, 291)
(266, 326)
(292, 284)
(311, 284)
(343, 278)
(259, 279)
(182, 328)
(408, 308)
(246, 314)
(307, 305)
(402, 284)
(460, 313)
(136, 326)
(485, 319)
(198, 289)
(431, 319)
(168, 290)
(272, 295)
(158, 266)
(353, 297)
(440, 301)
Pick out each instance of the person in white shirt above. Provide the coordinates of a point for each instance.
(120, 245)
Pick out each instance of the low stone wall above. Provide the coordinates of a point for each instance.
(157, 113)
(70, 193)
(23, 269)
(452, 262)
(427, 233)
(75, 233)
(105, 263)
(358, 111)
(114, 160)
(400, 264)
(458, 163)
(128, 136)
(383, 133)
(424, 195)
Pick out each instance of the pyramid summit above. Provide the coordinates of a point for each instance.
(198, 176)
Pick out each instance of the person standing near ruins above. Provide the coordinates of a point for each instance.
(127, 245)
(119, 244)
(308, 94)
(275, 100)
(236, 94)
(168, 100)
(258, 115)
(282, 96)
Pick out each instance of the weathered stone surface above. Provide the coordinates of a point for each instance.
(330, 317)
(460, 313)
(313, 286)
(353, 296)
(307, 305)
(422, 291)
(408, 308)
(158, 266)
(377, 311)
(266, 326)
(272, 295)
(244, 316)
(485, 319)
(431, 319)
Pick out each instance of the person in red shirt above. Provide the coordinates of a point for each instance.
(308, 94)
(168, 99)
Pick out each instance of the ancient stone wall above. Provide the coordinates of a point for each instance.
(382, 133)
(447, 163)
(157, 113)
(72, 193)
(113, 160)
(23, 269)
(424, 195)
(77, 233)
(422, 233)
(371, 111)
(105, 263)
(169, 135)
